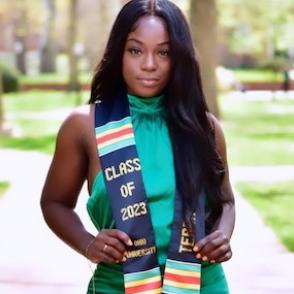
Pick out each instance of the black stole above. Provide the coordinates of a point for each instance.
(122, 174)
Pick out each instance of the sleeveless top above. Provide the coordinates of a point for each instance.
(156, 157)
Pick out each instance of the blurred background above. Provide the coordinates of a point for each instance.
(48, 53)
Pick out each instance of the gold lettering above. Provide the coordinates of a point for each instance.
(186, 243)
(184, 249)
(133, 210)
(115, 175)
(185, 232)
(141, 252)
(140, 242)
(137, 165)
(122, 169)
(130, 168)
(127, 189)
(108, 175)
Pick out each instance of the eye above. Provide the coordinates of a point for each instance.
(164, 53)
(135, 51)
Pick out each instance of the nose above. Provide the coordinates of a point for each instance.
(149, 62)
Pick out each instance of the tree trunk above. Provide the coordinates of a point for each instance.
(203, 19)
(21, 32)
(49, 51)
(1, 103)
(72, 35)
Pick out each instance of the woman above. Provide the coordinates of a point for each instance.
(161, 162)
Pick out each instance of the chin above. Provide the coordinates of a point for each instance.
(146, 93)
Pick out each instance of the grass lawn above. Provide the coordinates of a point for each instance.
(275, 203)
(243, 75)
(41, 100)
(3, 187)
(257, 75)
(36, 134)
(258, 132)
(58, 78)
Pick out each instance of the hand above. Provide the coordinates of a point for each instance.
(108, 246)
(215, 247)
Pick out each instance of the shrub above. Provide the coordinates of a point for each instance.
(10, 79)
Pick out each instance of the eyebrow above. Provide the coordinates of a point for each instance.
(141, 43)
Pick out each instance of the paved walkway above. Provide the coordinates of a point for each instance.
(33, 260)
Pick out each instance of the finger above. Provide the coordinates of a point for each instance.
(210, 246)
(113, 253)
(220, 244)
(218, 252)
(106, 254)
(122, 236)
(115, 243)
(228, 255)
(200, 244)
(103, 257)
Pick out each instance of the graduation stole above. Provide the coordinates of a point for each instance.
(122, 174)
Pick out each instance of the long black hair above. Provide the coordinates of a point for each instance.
(198, 166)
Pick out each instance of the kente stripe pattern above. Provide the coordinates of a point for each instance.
(114, 135)
(144, 282)
(181, 277)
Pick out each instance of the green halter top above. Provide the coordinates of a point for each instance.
(156, 157)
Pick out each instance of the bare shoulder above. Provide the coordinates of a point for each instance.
(79, 116)
(79, 123)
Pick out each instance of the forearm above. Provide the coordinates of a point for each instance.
(227, 221)
(66, 224)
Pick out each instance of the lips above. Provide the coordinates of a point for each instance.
(148, 82)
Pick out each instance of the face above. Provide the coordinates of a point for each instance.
(146, 61)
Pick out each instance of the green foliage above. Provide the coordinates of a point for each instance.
(9, 78)
(258, 132)
(41, 100)
(275, 202)
(257, 75)
(3, 187)
(257, 26)
(44, 144)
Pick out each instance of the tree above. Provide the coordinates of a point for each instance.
(1, 104)
(49, 51)
(28, 18)
(203, 19)
(259, 28)
(72, 37)
(21, 31)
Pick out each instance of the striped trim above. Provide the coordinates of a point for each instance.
(172, 290)
(181, 277)
(114, 135)
(144, 282)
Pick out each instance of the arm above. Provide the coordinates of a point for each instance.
(216, 246)
(64, 181)
(63, 184)
(227, 220)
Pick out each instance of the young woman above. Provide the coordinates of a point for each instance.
(159, 187)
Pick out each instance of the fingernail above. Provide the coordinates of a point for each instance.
(124, 259)
(198, 255)
(126, 254)
(130, 243)
(212, 261)
(204, 258)
(117, 261)
(195, 248)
